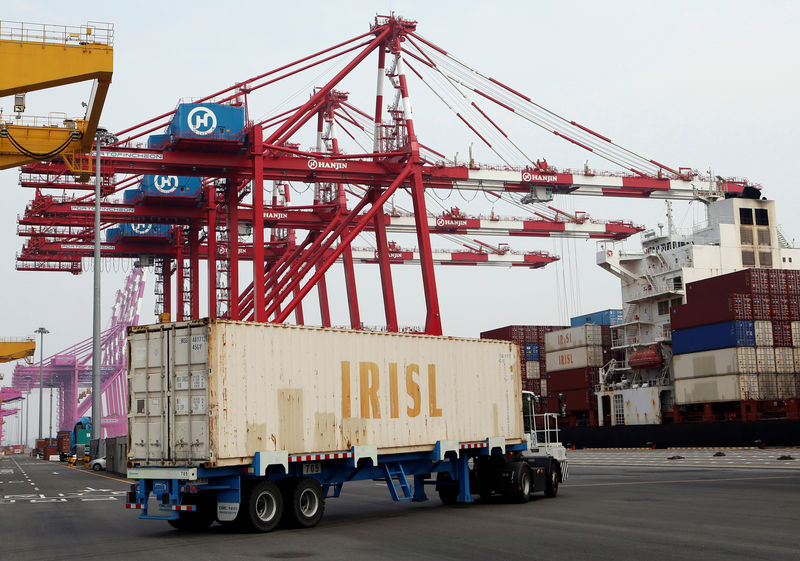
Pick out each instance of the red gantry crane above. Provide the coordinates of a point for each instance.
(193, 182)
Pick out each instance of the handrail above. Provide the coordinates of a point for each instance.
(93, 33)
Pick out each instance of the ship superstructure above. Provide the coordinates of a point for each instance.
(637, 387)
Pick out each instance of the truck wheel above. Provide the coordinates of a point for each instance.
(551, 485)
(198, 520)
(263, 507)
(303, 502)
(448, 494)
(523, 483)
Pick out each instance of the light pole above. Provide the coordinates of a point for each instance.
(102, 136)
(41, 331)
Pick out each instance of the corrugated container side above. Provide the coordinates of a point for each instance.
(792, 282)
(765, 358)
(532, 370)
(786, 385)
(715, 336)
(768, 386)
(761, 307)
(570, 359)
(779, 308)
(580, 378)
(265, 392)
(531, 351)
(795, 326)
(748, 386)
(717, 308)
(603, 317)
(705, 364)
(707, 389)
(784, 360)
(796, 351)
(763, 332)
(543, 387)
(782, 333)
(777, 281)
(587, 335)
(746, 359)
(794, 307)
(534, 386)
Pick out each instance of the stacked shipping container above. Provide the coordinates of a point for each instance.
(573, 359)
(532, 357)
(738, 338)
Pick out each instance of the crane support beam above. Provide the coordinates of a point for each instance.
(16, 349)
(36, 57)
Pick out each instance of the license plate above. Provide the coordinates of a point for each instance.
(312, 469)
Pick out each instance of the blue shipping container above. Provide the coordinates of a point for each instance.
(210, 121)
(140, 232)
(531, 351)
(171, 186)
(715, 336)
(156, 141)
(130, 196)
(611, 316)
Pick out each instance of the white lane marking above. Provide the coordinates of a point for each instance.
(48, 500)
(101, 499)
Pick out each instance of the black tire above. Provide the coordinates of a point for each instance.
(97, 467)
(198, 520)
(523, 483)
(448, 494)
(262, 507)
(551, 484)
(303, 502)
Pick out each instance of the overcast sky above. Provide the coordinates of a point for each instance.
(706, 85)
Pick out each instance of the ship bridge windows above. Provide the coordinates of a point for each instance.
(765, 259)
(663, 308)
(746, 235)
(764, 236)
(762, 217)
(746, 216)
(748, 258)
(677, 283)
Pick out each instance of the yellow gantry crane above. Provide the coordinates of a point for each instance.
(16, 349)
(40, 56)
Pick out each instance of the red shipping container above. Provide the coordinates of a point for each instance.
(578, 379)
(792, 282)
(746, 281)
(777, 281)
(576, 400)
(794, 308)
(714, 310)
(781, 333)
(762, 308)
(779, 306)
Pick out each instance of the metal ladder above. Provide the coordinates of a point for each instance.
(396, 479)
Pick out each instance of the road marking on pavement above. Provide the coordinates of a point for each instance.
(658, 481)
(101, 499)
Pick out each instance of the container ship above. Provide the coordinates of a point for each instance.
(706, 347)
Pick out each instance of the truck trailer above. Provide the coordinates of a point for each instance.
(253, 425)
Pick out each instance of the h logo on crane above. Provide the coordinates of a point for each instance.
(201, 121)
(141, 228)
(165, 183)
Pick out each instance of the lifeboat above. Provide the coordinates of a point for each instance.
(646, 358)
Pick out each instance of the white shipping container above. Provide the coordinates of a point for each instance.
(796, 333)
(784, 360)
(768, 386)
(587, 335)
(532, 370)
(748, 385)
(786, 386)
(707, 389)
(797, 360)
(543, 387)
(580, 357)
(763, 331)
(765, 358)
(718, 362)
(746, 357)
(214, 393)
